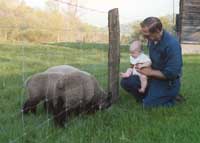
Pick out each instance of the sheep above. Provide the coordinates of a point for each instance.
(41, 85)
(67, 90)
(78, 91)
(62, 69)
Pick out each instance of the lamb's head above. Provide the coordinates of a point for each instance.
(104, 101)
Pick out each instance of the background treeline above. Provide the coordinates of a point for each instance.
(22, 23)
(56, 23)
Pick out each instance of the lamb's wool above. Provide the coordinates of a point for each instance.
(66, 89)
(41, 86)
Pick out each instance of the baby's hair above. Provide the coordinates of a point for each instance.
(136, 45)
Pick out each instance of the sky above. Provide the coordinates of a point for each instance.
(129, 10)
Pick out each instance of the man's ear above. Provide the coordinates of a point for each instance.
(60, 84)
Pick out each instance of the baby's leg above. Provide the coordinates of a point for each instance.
(143, 80)
(127, 73)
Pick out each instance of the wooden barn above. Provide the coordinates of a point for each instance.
(188, 22)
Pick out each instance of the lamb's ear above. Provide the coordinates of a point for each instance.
(60, 84)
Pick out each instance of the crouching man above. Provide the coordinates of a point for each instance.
(164, 74)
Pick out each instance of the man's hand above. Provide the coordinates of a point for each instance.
(148, 71)
(139, 66)
(145, 71)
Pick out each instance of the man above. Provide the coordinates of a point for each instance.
(164, 74)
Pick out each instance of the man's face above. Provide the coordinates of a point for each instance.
(151, 36)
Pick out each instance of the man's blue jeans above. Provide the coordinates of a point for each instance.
(131, 85)
(158, 92)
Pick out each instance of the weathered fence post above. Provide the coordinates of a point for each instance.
(114, 53)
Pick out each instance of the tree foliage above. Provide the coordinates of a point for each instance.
(23, 23)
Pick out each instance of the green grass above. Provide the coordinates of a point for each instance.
(126, 121)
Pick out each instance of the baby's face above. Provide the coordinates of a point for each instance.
(135, 53)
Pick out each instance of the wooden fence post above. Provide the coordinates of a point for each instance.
(114, 53)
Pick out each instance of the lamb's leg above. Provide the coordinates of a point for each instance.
(48, 106)
(34, 109)
(59, 113)
(89, 108)
(45, 106)
(59, 119)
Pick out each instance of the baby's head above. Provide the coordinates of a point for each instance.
(135, 49)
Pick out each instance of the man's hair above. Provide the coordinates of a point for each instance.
(153, 23)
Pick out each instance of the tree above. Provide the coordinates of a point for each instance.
(136, 33)
(55, 23)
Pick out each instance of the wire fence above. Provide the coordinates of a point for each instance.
(92, 60)
(27, 59)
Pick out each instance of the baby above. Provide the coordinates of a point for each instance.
(137, 57)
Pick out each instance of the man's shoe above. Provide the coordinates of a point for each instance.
(179, 98)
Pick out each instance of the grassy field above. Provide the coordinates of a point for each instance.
(124, 122)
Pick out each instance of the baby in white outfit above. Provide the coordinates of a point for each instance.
(137, 57)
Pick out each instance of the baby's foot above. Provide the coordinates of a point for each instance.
(124, 75)
(141, 90)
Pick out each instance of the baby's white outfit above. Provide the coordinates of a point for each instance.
(142, 58)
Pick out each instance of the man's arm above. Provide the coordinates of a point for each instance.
(173, 66)
(142, 65)
(157, 74)
(148, 71)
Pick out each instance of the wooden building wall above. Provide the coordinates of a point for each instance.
(189, 21)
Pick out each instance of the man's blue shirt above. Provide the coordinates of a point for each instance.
(166, 57)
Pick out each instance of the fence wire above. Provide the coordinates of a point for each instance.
(37, 59)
